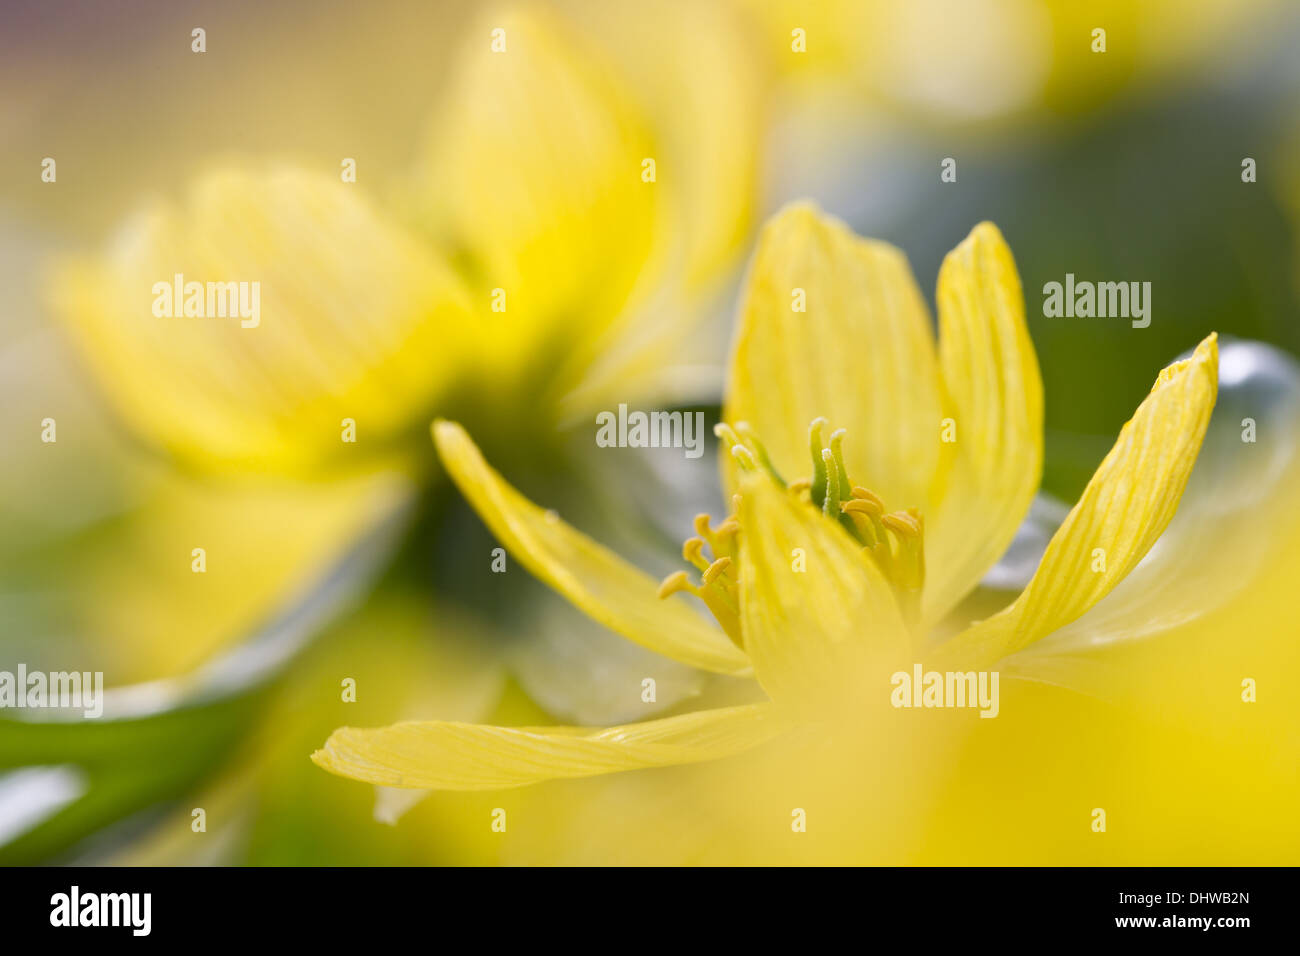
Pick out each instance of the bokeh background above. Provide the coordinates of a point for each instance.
(366, 564)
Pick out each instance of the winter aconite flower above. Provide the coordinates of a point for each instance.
(850, 539)
(526, 211)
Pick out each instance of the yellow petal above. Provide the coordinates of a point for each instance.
(862, 355)
(995, 392)
(1122, 512)
(533, 170)
(595, 579)
(705, 107)
(818, 617)
(355, 320)
(448, 755)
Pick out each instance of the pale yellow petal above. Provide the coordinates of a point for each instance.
(862, 355)
(1122, 512)
(447, 755)
(706, 107)
(995, 395)
(820, 621)
(533, 171)
(595, 579)
(354, 319)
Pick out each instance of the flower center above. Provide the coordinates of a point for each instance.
(894, 540)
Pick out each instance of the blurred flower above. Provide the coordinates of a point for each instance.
(995, 59)
(545, 231)
(377, 312)
(814, 584)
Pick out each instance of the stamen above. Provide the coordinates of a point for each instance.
(716, 569)
(864, 506)
(909, 562)
(692, 552)
(724, 609)
(867, 495)
(677, 581)
(866, 532)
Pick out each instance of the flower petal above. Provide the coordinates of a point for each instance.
(992, 381)
(817, 616)
(533, 171)
(862, 355)
(1226, 529)
(607, 588)
(1122, 512)
(448, 755)
(356, 319)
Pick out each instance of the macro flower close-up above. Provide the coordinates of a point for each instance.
(817, 589)
(702, 433)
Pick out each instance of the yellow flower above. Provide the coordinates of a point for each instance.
(513, 258)
(373, 315)
(819, 589)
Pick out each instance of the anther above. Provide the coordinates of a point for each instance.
(868, 495)
(677, 581)
(702, 527)
(715, 570)
(692, 552)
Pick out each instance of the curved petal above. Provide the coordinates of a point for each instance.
(991, 377)
(448, 755)
(533, 171)
(595, 579)
(354, 319)
(1124, 509)
(816, 615)
(862, 355)
(1237, 498)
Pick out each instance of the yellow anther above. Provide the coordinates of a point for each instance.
(677, 581)
(801, 485)
(692, 551)
(865, 527)
(702, 527)
(868, 495)
(715, 570)
(863, 506)
(902, 524)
